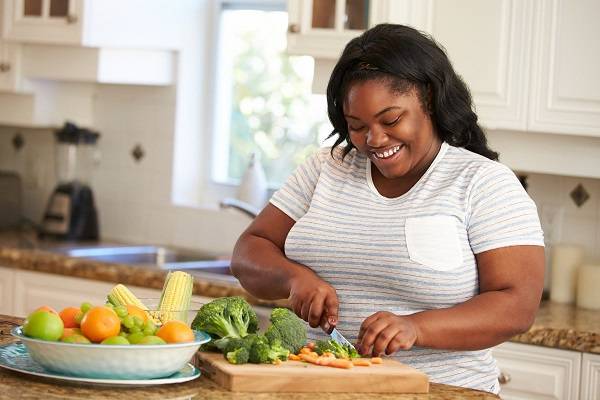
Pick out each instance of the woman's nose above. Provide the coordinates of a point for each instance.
(376, 137)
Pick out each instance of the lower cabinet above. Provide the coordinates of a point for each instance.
(535, 372)
(590, 376)
(7, 278)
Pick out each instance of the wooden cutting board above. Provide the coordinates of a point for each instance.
(297, 376)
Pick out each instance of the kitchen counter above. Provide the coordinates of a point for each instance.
(25, 251)
(15, 385)
(556, 325)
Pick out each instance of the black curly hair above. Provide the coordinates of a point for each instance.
(405, 58)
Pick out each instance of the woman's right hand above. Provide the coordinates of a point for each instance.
(314, 300)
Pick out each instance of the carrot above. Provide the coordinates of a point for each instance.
(377, 360)
(361, 363)
(294, 357)
(328, 354)
(324, 360)
(305, 350)
(340, 363)
(312, 353)
(308, 358)
(311, 345)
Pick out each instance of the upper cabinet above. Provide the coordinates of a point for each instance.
(321, 28)
(566, 64)
(147, 24)
(530, 65)
(491, 53)
(52, 21)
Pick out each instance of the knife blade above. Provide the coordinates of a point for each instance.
(338, 337)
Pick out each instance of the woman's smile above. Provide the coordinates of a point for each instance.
(388, 153)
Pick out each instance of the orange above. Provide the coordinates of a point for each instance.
(68, 316)
(46, 308)
(70, 331)
(99, 323)
(136, 311)
(175, 332)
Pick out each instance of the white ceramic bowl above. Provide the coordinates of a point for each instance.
(111, 361)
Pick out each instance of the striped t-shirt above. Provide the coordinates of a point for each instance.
(410, 253)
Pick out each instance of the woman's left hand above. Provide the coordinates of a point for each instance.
(386, 333)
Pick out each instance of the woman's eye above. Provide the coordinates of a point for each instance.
(390, 123)
(356, 128)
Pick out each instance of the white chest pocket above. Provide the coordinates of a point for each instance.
(433, 241)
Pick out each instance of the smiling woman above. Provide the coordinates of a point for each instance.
(410, 239)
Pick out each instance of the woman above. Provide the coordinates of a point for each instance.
(407, 235)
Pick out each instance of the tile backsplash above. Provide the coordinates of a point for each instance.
(134, 197)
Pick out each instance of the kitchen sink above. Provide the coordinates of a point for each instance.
(162, 257)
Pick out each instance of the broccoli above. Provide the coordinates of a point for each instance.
(264, 352)
(340, 350)
(288, 329)
(226, 317)
(238, 356)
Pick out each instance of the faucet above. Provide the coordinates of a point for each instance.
(242, 206)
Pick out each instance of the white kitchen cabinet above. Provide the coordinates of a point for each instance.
(10, 64)
(565, 94)
(148, 24)
(7, 277)
(590, 377)
(489, 44)
(535, 372)
(321, 28)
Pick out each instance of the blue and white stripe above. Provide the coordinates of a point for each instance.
(355, 239)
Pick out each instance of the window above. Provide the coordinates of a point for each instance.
(264, 101)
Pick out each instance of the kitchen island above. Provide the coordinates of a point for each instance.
(15, 385)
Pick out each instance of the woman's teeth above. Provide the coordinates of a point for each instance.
(388, 153)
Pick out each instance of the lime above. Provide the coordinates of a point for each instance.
(76, 338)
(135, 338)
(85, 306)
(115, 340)
(151, 340)
(43, 325)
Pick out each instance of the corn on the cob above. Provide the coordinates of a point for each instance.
(120, 295)
(176, 296)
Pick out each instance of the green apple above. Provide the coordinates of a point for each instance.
(75, 338)
(115, 340)
(43, 325)
(151, 340)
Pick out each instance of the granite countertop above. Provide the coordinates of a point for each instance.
(16, 385)
(25, 251)
(556, 325)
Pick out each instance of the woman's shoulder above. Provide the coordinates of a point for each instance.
(334, 157)
(474, 165)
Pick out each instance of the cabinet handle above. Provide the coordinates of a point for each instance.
(72, 19)
(4, 67)
(503, 378)
(294, 28)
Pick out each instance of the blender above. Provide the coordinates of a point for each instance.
(71, 212)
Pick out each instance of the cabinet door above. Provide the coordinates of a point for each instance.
(7, 277)
(535, 372)
(321, 28)
(44, 21)
(10, 60)
(488, 43)
(590, 377)
(34, 289)
(565, 86)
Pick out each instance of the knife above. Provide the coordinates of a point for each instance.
(338, 337)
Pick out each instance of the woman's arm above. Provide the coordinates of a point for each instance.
(262, 268)
(510, 284)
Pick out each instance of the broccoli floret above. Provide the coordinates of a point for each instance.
(238, 356)
(288, 329)
(340, 350)
(265, 352)
(227, 345)
(226, 317)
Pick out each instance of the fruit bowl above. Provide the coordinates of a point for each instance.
(111, 361)
(159, 316)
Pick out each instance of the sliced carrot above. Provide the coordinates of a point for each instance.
(376, 360)
(328, 354)
(312, 353)
(324, 360)
(311, 345)
(361, 363)
(305, 350)
(294, 357)
(308, 358)
(340, 363)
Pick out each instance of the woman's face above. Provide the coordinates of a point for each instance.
(391, 129)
